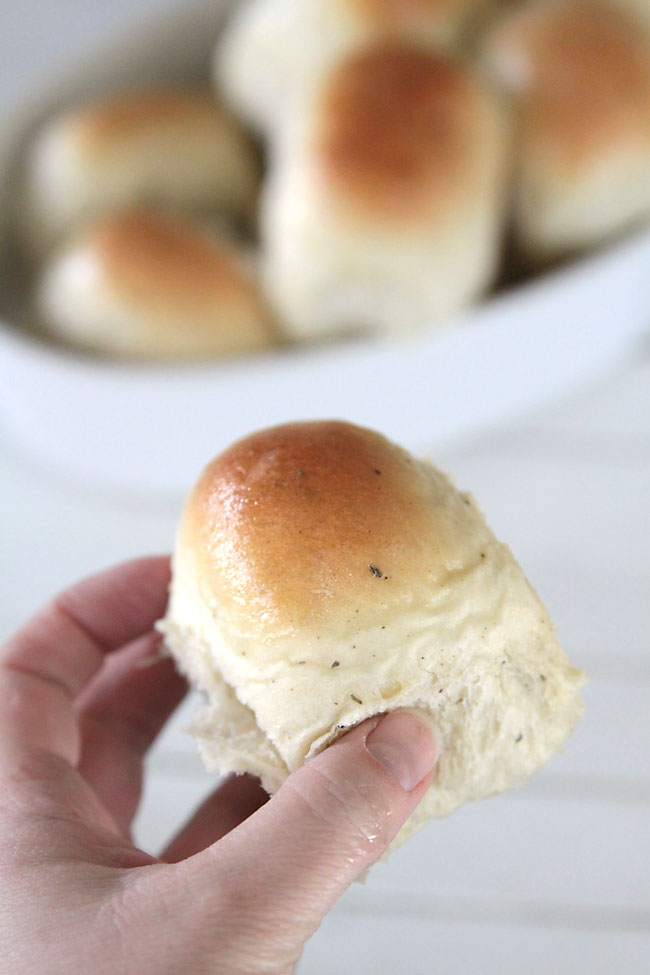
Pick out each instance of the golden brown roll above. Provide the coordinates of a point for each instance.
(579, 72)
(150, 285)
(271, 49)
(174, 148)
(383, 207)
(323, 575)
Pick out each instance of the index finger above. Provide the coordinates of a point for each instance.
(46, 664)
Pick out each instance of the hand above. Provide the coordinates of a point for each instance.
(83, 693)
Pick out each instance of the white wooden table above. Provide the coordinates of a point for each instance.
(552, 878)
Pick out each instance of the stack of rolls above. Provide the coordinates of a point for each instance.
(130, 206)
(409, 141)
(175, 148)
(408, 146)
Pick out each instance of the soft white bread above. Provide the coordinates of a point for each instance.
(174, 148)
(271, 49)
(383, 206)
(323, 575)
(579, 72)
(144, 284)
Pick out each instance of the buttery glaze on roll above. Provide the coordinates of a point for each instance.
(323, 575)
(151, 285)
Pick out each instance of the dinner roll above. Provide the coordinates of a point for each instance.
(580, 74)
(383, 207)
(152, 285)
(174, 148)
(323, 575)
(270, 49)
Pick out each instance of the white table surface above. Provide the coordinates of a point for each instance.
(554, 877)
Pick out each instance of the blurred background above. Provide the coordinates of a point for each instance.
(552, 877)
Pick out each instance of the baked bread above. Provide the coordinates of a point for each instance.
(174, 148)
(579, 73)
(271, 49)
(323, 575)
(150, 285)
(384, 204)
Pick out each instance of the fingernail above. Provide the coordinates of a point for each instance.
(405, 745)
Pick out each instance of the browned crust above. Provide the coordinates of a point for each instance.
(160, 261)
(386, 15)
(310, 521)
(104, 123)
(402, 129)
(585, 87)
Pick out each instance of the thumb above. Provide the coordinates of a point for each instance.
(287, 864)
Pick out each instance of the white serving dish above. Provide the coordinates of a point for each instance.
(148, 428)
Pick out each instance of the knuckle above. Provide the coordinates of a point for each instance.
(352, 809)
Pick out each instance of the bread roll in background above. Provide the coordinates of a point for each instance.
(174, 148)
(323, 575)
(383, 205)
(149, 285)
(579, 73)
(270, 49)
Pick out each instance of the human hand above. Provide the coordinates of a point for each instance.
(83, 693)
